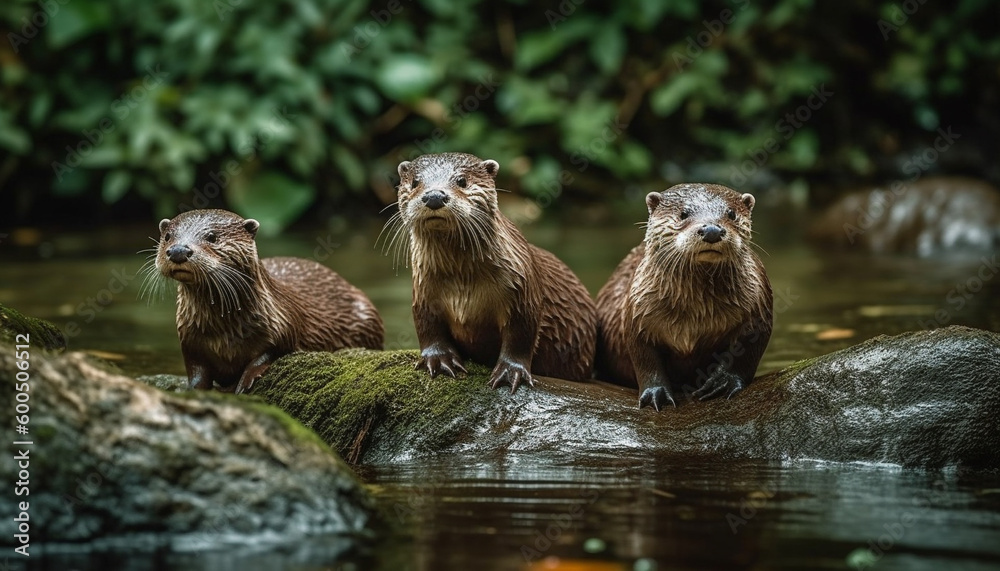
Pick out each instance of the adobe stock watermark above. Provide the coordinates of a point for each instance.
(581, 159)
(33, 24)
(697, 43)
(960, 295)
(879, 204)
(900, 16)
(248, 151)
(564, 10)
(894, 531)
(484, 90)
(88, 309)
(544, 539)
(365, 34)
(120, 108)
(783, 299)
(786, 127)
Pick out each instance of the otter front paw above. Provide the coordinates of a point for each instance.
(656, 397)
(437, 359)
(512, 373)
(720, 383)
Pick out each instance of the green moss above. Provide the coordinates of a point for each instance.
(43, 335)
(374, 390)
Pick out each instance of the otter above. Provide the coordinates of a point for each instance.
(691, 305)
(237, 313)
(480, 290)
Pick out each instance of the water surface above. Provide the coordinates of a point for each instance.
(627, 512)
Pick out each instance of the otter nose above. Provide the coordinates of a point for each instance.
(434, 199)
(179, 253)
(711, 233)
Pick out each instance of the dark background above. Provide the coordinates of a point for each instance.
(296, 111)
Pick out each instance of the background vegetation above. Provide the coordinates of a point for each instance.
(119, 108)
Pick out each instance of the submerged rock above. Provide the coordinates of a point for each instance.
(918, 399)
(924, 217)
(112, 457)
(41, 334)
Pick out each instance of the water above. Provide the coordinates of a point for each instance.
(598, 513)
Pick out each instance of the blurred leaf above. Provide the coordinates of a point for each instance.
(74, 20)
(349, 165)
(669, 96)
(272, 198)
(407, 77)
(540, 47)
(607, 48)
(116, 184)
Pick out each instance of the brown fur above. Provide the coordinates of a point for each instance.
(480, 290)
(237, 313)
(670, 315)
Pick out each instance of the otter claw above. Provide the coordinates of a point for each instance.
(511, 373)
(722, 383)
(656, 397)
(443, 362)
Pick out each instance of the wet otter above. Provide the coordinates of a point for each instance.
(691, 304)
(480, 290)
(237, 313)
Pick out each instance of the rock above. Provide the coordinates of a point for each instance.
(115, 458)
(926, 217)
(918, 399)
(41, 334)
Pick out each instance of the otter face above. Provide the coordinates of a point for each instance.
(447, 191)
(704, 223)
(200, 246)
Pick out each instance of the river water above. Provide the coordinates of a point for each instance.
(579, 513)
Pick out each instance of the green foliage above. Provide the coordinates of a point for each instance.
(317, 100)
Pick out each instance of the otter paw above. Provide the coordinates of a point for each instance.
(721, 383)
(656, 397)
(507, 372)
(438, 360)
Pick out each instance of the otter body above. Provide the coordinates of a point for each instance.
(237, 313)
(691, 306)
(480, 290)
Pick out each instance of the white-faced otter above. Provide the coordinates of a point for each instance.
(480, 290)
(236, 313)
(691, 305)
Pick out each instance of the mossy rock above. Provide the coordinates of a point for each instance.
(41, 334)
(918, 399)
(114, 458)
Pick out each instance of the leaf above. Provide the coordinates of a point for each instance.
(669, 96)
(73, 20)
(537, 48)
(407, 77)
(116, 184)
(349, 165)
(272, 198)
(607, 49)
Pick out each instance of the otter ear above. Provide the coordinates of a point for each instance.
(653, 199)
(403, 168)
(748, 200)
(492, 167)
(251, 226)
(163, 225)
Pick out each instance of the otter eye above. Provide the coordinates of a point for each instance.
(415, 183)
(685, 213)
(167, 236)
(211, 237)
(731, 214)
(461, 182)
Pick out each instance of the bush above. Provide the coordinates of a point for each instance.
(271, 106)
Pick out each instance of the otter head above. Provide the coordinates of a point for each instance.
(703, 223)
(195, 246)
(446, 192)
